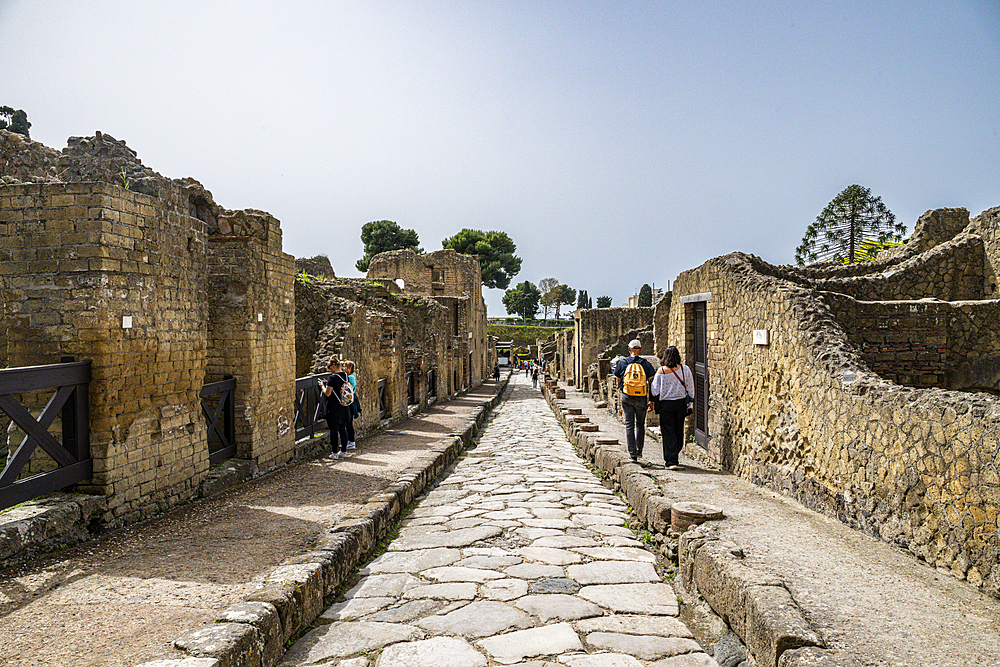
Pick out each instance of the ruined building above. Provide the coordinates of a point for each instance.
(415, 344)
(173, 305)
(868, 392)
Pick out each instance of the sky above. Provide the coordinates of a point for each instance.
(617, 143)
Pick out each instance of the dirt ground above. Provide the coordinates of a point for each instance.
(123, 599)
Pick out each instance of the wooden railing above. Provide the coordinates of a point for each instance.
(221, 418)
(70, 401)
(310, 416)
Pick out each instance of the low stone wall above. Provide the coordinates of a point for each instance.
(253, 633)
(757, 606)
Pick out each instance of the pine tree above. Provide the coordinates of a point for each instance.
(848, 228)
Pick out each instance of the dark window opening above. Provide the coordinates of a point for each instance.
(431, 383)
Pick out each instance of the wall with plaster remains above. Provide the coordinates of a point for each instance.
(822, 412)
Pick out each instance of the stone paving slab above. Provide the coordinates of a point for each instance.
(548, 577)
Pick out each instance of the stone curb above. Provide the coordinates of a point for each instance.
(58, 519)
(65, 519)
(757, 606)
(253, 633)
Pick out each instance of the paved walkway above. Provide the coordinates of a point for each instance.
(519, 556)
(864, 597)
(123, 599)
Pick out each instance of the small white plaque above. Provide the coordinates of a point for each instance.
(126, 321)
(260, 317)
(760, 336)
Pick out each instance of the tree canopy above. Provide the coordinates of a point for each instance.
(604, 302)
(561, 295)
(583, 300)
(522, 300)
(15, 121)
(545, 286)
(645, 296)
(497, 261)
(850, 226)
(383, 236)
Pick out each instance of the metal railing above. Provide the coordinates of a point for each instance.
(71, 403)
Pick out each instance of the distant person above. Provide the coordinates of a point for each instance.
(673, 390)
(534, 377)
(336, 413)
(496, 373)
(355, 408)
(634, 377)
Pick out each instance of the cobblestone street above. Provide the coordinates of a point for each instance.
(519, 556)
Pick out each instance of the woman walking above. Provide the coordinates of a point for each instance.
(673, 390)
(337, 415)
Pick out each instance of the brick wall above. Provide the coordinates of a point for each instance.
(77, 258)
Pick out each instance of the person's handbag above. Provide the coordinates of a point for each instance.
(687, 394)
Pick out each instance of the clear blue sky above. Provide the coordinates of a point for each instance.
(617, 143)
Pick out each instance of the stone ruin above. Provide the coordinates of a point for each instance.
(162, 290)
(868, 392)
(415, 344)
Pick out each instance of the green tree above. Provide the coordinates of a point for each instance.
(853, 219)
(604, 302)
(383, 236)
(15, 121)
(545, 287)
(564, 295)
(581, 300)
(645, 296)
(522, 300)
(497, 261)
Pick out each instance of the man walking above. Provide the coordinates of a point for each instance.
(634, 377)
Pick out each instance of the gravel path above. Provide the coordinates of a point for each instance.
(863, 596)
(519, 556)
(123, 599)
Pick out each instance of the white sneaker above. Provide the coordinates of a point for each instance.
(351, 445)
(334, 455)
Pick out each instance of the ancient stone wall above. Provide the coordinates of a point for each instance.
(250, 332)
(102, 259)
(99, 273)
(455, 280)
(597, 328)
(387, 334)
(987, 225)
(805, 413)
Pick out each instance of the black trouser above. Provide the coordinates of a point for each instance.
(672, 414)
(634, 411)
(350, 429)
(338, 432)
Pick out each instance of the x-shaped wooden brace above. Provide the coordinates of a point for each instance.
(37, 433)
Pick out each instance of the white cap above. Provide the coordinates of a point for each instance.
(635, 344)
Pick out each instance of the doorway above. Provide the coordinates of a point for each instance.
(700, 321)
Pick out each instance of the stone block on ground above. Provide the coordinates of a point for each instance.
(813, 656)
(775, 624)
(232, 644)
(264, 617)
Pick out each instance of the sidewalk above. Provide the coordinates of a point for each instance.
(520, 556)
(863, 597)
(123, 599)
